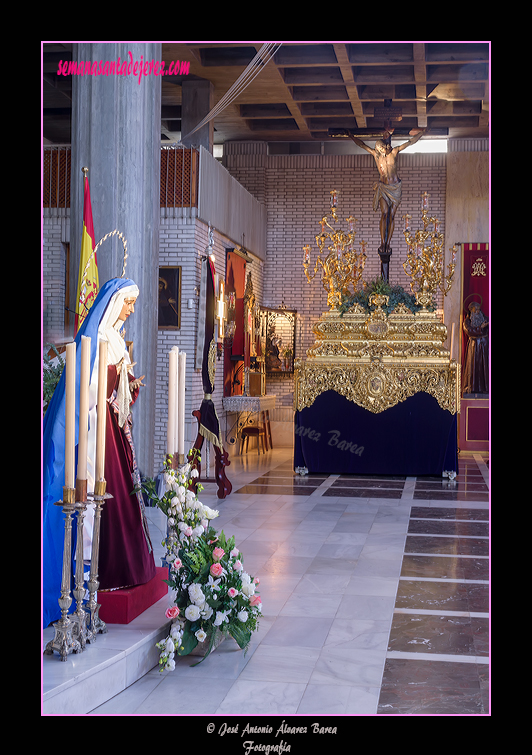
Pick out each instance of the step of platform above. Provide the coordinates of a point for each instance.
(106, 667)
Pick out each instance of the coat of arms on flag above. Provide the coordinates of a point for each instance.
(88, 265)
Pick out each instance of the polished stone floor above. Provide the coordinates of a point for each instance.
(375, 598)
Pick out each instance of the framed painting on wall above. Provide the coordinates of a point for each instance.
(169, 298)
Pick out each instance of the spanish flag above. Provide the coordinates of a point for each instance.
(87, 279)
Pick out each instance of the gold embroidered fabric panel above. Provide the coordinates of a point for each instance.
(377, 386)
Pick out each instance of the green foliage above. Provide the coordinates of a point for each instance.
(396, 294)
(51, 374)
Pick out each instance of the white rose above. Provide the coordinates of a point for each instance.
(192, 612)
(221, 616)
(169, 647)
(246, 579)
(200, 635)
(248, 589)
(242, 616)
(196, 594)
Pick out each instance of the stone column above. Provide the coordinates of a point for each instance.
(116, 122)
(197, 101)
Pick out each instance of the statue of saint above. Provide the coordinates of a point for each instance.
(476, 370)
(388, 189)
(126, 552)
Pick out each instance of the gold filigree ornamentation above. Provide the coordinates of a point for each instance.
(376, 386)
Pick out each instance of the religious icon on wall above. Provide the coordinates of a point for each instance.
(476, 369)
(169, 297)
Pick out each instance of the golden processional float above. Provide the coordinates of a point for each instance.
(377, 359)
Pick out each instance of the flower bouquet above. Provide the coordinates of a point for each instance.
(214, 596)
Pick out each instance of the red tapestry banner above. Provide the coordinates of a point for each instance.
(475, 287)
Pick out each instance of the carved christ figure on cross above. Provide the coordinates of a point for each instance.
(388, 189)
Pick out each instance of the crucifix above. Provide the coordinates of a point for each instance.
(388, 189)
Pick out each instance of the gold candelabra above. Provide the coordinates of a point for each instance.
(425, 263)
(342, 266)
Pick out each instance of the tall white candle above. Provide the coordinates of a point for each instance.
(70, 414)
(83, 434)
(175, 349)
(101, 411)
(181, 404)
(172, 403)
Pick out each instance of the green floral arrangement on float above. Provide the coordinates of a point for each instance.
(396, 294)
(214, 595)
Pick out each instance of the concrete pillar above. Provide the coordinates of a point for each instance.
(116, 122)
(196, 102)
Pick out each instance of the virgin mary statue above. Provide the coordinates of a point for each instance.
(126, 553)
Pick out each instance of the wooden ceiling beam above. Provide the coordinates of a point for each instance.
(420, 76)
(346, 70)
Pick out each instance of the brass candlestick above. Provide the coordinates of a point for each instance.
(64, 640)
(80, 617)
(341, 265)
(96, 625)
(425, 263)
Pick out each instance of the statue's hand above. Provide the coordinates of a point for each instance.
(134, 384)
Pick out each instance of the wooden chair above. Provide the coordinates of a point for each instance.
(262, 432)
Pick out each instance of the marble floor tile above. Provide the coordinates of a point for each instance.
(261, 698)
(325, 584)
(377, 483)
(338, 700)
(173, 697)
(446, 527)
(451, 635)
(358, 634)
(445, 567)
(310, 605)
(443, 596)
(366, 607)
(281, 664)
(362, 493)
(354, 668)
(433, 512)
(445, 545)
(412, 687)
(298, 631)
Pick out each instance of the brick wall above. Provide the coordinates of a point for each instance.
(55, 237)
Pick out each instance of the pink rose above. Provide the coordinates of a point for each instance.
(216, 570)
(257, 581)
(237, 566)
(172, 612)
(177, 563)
(255, 600)
(218, 553)
(188, 531)
(232, 592)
